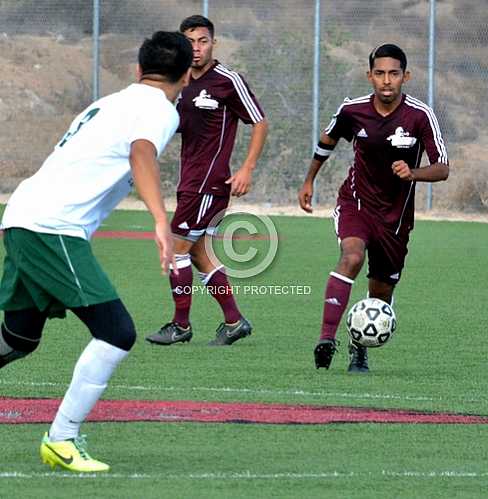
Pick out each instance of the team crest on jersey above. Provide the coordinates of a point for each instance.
(401, 139)
(204, 101)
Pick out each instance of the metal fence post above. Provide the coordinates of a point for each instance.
(316, 85)
(431, 78)
(96, 50)
(205, 8)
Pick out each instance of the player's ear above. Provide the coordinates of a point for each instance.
(407, 75)
(138, 72)
(186, 77)
(369, 75)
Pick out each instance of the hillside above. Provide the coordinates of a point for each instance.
(46, 53)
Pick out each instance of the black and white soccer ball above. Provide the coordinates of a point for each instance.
(371, 322)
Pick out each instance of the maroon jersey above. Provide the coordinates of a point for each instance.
(210, 108)
(378, 141)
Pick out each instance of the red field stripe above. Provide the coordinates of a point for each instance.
(124, 234)
(141, 235)
(14, 410)
(118, 234)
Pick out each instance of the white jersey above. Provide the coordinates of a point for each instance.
(88, 173)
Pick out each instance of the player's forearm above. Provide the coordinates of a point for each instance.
(322, 152)
(256, 144)
(432, 173)
(315, 166)
(145, 171)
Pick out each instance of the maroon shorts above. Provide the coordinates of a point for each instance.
(197, 214)
(386, 248)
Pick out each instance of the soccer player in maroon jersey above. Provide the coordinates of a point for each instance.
(210, 109)
(375, 206)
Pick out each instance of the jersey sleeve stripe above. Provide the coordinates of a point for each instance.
(358, 100)
(434, 124)
(347, 102)
(243, 92)
(331, 125)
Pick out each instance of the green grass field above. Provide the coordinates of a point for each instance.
(436, 362)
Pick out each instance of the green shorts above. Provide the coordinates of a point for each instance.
(51, 272)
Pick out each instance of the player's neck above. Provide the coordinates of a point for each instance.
(386, 109)
(199, 72)
(171, 91)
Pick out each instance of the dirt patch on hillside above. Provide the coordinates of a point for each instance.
(49, 82)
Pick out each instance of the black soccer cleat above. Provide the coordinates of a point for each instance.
(358, 358)
(323, 353)
(228, 334)
(169, 334)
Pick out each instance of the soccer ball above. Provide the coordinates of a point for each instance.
(371, 322)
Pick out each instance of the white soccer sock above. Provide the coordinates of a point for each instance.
(90, 377)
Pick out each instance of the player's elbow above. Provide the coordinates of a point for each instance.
(263, 126)
(444, 172)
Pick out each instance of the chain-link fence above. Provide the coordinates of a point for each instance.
(46, 57)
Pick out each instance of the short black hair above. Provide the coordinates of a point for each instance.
(166, 53)
(388, 50)
(197, 21)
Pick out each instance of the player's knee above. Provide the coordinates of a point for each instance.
(127, 337)
(121, 334)
(16, 345)
(352, 262)
(381, 290)
(383, 294)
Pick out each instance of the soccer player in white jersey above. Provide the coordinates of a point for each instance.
(51, 216)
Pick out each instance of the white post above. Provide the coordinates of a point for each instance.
(431, 77)
(96, 50)
(316, 86)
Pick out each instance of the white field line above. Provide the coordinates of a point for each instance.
(247, 475)
(258, 391)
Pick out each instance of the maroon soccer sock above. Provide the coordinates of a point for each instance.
(336, 298)
(181, 288)
(219, 287)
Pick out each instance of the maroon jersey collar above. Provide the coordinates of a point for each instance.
(204, 75)
(388, 116)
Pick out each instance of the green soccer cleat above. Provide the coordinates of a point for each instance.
(70, 455)
(358, 358)
(228, 334)
(169, 334)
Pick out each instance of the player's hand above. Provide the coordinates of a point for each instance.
(402, 170)
(305, 197)
(164, 242)
(240, 182)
